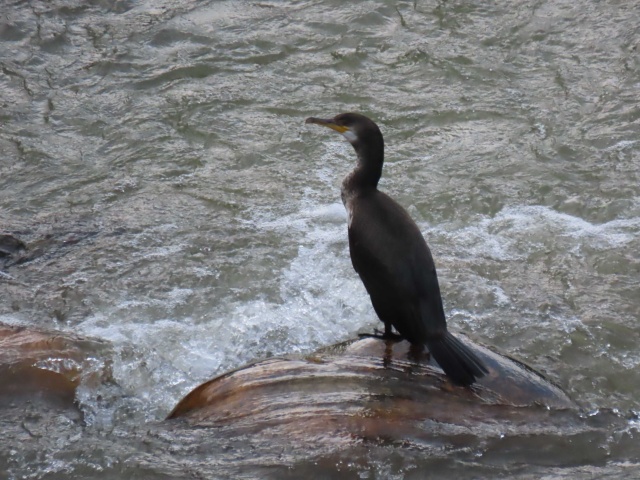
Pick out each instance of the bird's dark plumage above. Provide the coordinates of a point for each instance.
(392, 258)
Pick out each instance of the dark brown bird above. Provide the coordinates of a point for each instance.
(392, 258)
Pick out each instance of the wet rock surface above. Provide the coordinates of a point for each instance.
(369, 388)
(46, 367)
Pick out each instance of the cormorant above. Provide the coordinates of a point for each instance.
(392, 258)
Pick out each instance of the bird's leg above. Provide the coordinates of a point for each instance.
(388, 329)
(387, 335)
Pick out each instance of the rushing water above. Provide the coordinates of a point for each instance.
(157, 152)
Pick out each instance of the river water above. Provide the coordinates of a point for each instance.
(193, 222)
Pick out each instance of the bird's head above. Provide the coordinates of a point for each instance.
(353, 126)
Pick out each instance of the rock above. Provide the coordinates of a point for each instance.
(42, 366)
(10, 245)
(369, 388)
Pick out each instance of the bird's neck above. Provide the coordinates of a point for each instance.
(368, 170)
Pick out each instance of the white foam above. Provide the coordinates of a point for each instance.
(162, 252)
(301, 219)
(516, 231)
(13, 321)
(322, 301)
(621, 145)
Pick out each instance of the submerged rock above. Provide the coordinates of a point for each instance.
(10, 245)
(369, 388)
(40, 366)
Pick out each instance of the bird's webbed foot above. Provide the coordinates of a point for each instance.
(386, 335)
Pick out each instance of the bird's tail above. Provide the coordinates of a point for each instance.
(457, 360)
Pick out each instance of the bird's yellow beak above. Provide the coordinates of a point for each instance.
(327, 123)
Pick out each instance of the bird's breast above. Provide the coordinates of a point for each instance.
(348, 200)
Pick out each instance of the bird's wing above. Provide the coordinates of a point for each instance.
(392, 258)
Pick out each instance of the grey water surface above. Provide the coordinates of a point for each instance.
(154, 155)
